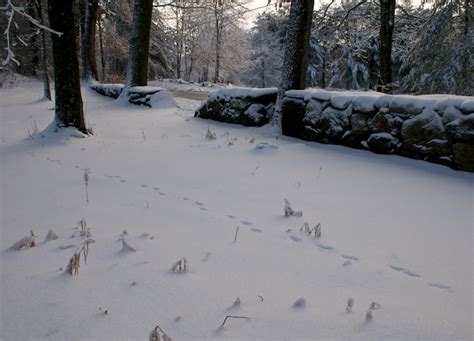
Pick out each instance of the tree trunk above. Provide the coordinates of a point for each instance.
(137, 70)
(44, 55)
(101, 47)
(89, 64)
(295, 60)
(68, 109)
(218, 26)
(387, 22)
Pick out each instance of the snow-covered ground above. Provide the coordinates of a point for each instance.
(395, 231)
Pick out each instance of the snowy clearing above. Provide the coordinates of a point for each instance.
(394, 231)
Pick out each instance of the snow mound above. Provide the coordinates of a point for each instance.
(163, 99)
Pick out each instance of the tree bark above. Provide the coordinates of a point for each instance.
(89, 64)
(295, 60)
(101, 47)
(387, 23)
(218, 27)
(44, 55)
(137, 70)
(69, 109)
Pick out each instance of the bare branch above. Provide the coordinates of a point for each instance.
(349, 12)
(234, 317)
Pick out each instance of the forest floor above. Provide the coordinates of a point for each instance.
(395, 231)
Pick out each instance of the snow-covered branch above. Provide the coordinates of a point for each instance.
(10, 10)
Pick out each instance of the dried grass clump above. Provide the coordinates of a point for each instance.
(300, 303)
(315, 231)
(368, 316)
(180, 266)
(51, 236)
(25, 243)
(236, 304)
(82, 230)
(350, 305)
(374, 306)
(210, 135)
(75, 261)
(157, 334)
(126, 247)
(290, 212)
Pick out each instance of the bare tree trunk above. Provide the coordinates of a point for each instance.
(387, 23)
(137, 70)
(101, 47)
(68, 109)
(218, 26)
(44, 56)
(89, 64)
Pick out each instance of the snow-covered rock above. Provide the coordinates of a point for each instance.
(462, 129)
(382, 143)
(425, 134)
(364, 103)
(341, 102)
(410, 105)
(359, 123)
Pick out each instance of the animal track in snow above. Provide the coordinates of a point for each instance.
(439, 286)
(296, 239)
(405, 271)
(199, 203)
(248, 223)
(123, 181)
(256, 230)
(325, 247)
(350, 257)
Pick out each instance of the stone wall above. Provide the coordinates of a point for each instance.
(435, 128)
(249, 107)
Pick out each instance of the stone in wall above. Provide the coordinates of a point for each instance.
(292, 120)
(249, 107)
(425, 136)
(383, 143)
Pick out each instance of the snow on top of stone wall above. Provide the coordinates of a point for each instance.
(237, 92)
(367, 101)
